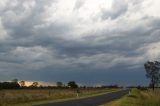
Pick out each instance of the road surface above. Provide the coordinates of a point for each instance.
(91, 101)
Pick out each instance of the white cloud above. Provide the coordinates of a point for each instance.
(151, 51)
(3, 4)
(31, 53)
(151, 8)
(119, 7)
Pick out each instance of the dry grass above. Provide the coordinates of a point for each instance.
(9, 97)
(138, 98)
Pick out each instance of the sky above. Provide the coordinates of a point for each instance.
(89, 41)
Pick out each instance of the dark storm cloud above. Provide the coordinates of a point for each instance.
(123, 42)
(59, 44)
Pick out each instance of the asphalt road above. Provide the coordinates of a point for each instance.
(91, 101)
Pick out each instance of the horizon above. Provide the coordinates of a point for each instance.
(90, 42)
(53, 84)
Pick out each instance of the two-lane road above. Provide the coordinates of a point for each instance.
(91, 101)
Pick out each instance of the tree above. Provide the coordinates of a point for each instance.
(34, 84)
(22, 83)
(59, 84)
(153, 72)
(9, 85)
(72, 84)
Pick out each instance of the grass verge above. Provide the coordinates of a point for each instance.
(36, 97)
(138, 98)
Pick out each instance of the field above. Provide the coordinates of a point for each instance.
(138, 98)
(18, 97)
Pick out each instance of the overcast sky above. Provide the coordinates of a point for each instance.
(88, 41)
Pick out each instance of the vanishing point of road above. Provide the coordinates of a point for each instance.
(91, 101)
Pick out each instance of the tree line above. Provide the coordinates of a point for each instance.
(15, 84)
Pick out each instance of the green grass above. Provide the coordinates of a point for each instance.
(138, 98)
(34, 97)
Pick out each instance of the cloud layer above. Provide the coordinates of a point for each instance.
(72, 40)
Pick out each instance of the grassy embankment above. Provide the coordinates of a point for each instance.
(138, 98)
(32, 97)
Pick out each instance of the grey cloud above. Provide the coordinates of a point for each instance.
(35, 45)
(125, 42)
(119, 7)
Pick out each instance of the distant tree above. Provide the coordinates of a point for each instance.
(9, 85)
(153, 72)
(22, 83)
(72, 84)
(34, 84)
(59, 84)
